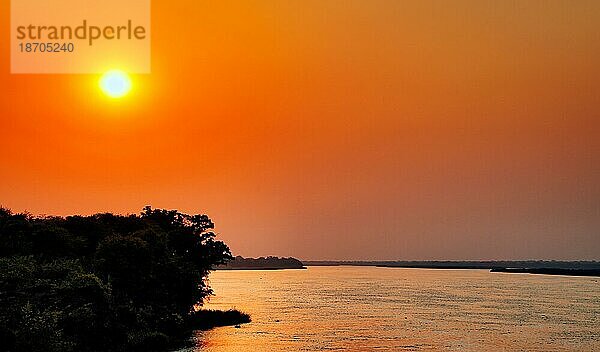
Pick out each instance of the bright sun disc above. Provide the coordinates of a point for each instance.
(115, 84)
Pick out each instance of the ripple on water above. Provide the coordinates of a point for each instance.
(394, 309)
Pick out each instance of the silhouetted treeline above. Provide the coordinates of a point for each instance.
(103, 282)
(241, 263)
(466, 264)
(549, 271)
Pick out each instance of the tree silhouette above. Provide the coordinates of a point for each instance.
(105, 281)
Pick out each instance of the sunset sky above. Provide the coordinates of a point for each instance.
(333, 129)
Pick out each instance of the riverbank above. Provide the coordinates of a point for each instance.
(262, 263)
(205, 319)
(463, 264)
(549, 271)
(542, 267)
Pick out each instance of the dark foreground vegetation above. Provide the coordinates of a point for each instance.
(106, 282)
(208, 318)
(262, 263)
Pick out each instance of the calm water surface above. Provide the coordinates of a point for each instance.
(393, 309)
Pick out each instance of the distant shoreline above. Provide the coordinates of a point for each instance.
(259, 268)
(262, 263)
(543, 267)
(549, 271)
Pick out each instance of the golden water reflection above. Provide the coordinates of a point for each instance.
(393, 309)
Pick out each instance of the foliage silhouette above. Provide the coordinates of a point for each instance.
(103, 282)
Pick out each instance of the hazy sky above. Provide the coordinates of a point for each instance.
(322, 129)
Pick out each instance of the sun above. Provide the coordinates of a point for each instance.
(115, 83)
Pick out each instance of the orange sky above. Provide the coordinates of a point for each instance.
(333, 129)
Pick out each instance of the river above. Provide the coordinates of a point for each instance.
(394, 309)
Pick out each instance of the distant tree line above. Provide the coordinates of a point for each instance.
(240, 262)
(103, 282)
(465, 264)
